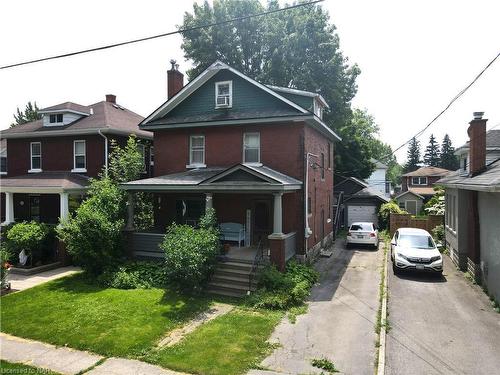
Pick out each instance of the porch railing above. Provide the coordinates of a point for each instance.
(257, 261)
(146, 245)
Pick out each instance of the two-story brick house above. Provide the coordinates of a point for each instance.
(260, 155)
(418, 188)
(49, 161)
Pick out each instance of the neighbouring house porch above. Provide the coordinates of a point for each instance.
(265, 206)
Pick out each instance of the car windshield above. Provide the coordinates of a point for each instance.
(416, 241)
(361, 226)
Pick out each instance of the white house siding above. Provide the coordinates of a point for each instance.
(489, 209)
(68, 118)
(377, 180)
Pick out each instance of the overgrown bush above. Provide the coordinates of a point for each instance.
(438, 233)
(385, 211)
(277, 290)
(5, 256)
(436, 205)
(93, 235)
(135, 275)
(28, 236)
(190, 254)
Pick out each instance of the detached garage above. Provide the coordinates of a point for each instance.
(361, 203)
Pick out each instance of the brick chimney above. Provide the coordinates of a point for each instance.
(175, 79)
(477, 136)
(110, 98)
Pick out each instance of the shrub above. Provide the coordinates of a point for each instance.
(385, 212)
(5, 256)
(438, 233)
(190, 254)
(284, 290)
(135, 275)
(27, 236)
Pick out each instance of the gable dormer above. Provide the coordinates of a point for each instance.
(63, 114)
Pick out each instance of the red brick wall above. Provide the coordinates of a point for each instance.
(57, 154)
(281, 147)
(319, 189)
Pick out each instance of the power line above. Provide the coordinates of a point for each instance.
(159, 35)
(418, 134)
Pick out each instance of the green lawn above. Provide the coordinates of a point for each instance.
(111, 322)
(19, 368)
(230, 344)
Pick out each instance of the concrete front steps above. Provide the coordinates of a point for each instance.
(232, 278)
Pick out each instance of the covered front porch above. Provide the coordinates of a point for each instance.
(259, 206)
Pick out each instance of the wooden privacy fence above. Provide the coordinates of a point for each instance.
(408, 221)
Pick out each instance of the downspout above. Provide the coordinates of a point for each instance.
(308, 231)
(105, 151)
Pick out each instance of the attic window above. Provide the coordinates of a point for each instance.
(56, 118)
(224, 94)
(318, 109)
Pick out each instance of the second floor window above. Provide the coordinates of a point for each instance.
(419, 181)
(3, 164)
(251, 148)
(79, 161)
(322, 166)
(142, 150)
(223, 94)
(36, 156)
(197, 150)
(56, 118)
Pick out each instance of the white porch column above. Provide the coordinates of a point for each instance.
(278, 214)
(130, 211)
(9, 208)
(208, 201)
(63, 206)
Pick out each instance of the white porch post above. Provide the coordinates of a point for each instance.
(208, 201)
(9, 208)
(130, 211)
(278, 214)
(63, 206)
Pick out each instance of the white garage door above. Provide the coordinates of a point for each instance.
(361, 213)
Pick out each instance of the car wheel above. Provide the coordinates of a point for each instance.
(376, 246)
(395, 269)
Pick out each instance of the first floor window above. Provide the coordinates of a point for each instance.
(251, 148)
(36, 155)
(151, 156)
(197, 150)
(79, 155)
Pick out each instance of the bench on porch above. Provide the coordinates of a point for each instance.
(232, 232)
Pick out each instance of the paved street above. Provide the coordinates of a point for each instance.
(341, 318)
(440, 326)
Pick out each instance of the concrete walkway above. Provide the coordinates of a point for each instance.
(70, 361)
(22, 282)
(340, 323)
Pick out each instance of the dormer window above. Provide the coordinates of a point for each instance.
(224, 94)
(56, 118)
(419, 181)
(318, 109)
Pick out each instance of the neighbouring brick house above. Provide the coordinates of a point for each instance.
(260, 155)
(48, 162)
(472, 224)
(418, 188)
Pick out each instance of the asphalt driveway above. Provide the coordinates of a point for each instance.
(340, 323)
(440, 325)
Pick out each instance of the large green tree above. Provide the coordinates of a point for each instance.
(297, 48)
(431, 155)
(413, 156)
(29, 114)
(448, 158)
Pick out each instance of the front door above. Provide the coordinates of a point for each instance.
(262, 226)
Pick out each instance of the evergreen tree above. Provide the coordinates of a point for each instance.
(413, 156)
(448, 159)
(431, 156)
(30, 114)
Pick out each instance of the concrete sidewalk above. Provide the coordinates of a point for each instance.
(22, 282)
(70, 361)
(340, 323)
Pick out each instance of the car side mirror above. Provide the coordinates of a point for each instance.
(439, 245)
(393, 243)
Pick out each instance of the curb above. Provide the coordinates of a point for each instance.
(383, 321)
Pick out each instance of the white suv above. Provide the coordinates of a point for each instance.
(362, 234)
(414, 249)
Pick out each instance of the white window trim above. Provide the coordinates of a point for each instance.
(413, 184)
(230, 83)
(56, 123)
(191, 164)
(35, 170)
(75, 169)
(253, 163)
